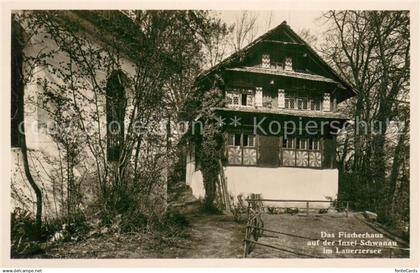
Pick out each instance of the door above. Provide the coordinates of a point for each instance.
(268, 154)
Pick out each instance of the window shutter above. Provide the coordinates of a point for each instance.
(250, 100)
(280, 98)
(258, 96)
(236, 99)
(229, 98)
(326, 104)
(265, 61)
(288, 64)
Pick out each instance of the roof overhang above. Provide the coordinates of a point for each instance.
(284, 73)
(285, 112)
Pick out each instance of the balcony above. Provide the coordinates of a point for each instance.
(239, 98)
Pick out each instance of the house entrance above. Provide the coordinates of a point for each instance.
(268, 151)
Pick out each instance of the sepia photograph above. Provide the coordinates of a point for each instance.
(221, 134)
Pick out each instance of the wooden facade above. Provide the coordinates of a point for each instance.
(279, 78)
(275, 89)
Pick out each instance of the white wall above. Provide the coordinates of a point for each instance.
(276, 183)
(44, 155)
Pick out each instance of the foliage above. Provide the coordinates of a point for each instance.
(165, 59)
(271, 210)
(370, 49)
(22, 234)
(25, 240)
(175, 220)
(209, 145)
(75, 228)
(134, 221)
(177, 174)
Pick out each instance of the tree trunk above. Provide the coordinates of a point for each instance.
(35, 187)
(18, 90)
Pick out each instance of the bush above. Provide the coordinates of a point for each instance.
(175, 219)
(76, 227)
(135, 221)
(271, 210)
(25, 238)
(210, 208)
(139, 222)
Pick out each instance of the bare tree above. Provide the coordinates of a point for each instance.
(245, 29)
(371, 50)
(268, 21)
(308, 37)
(215, 43)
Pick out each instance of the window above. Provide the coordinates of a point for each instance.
(244, 100)
(301, 143)
(234, 140)
(304, 153)
(284, 144)
(302, 103)
(289, 102)
(249, 141)
(233, 97)
(313, 144)
(237, 140)
(250, 100)
(315, 105)
(116, 103)
(288, 143)
(240, 97)
(231, 140)
(241, 149)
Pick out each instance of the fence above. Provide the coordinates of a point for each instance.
(307, 202)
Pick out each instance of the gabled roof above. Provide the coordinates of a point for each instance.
(295, 40)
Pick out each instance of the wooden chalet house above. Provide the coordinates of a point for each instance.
(274, 84)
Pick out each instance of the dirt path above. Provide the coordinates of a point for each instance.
(210, 236)
(216, 236)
